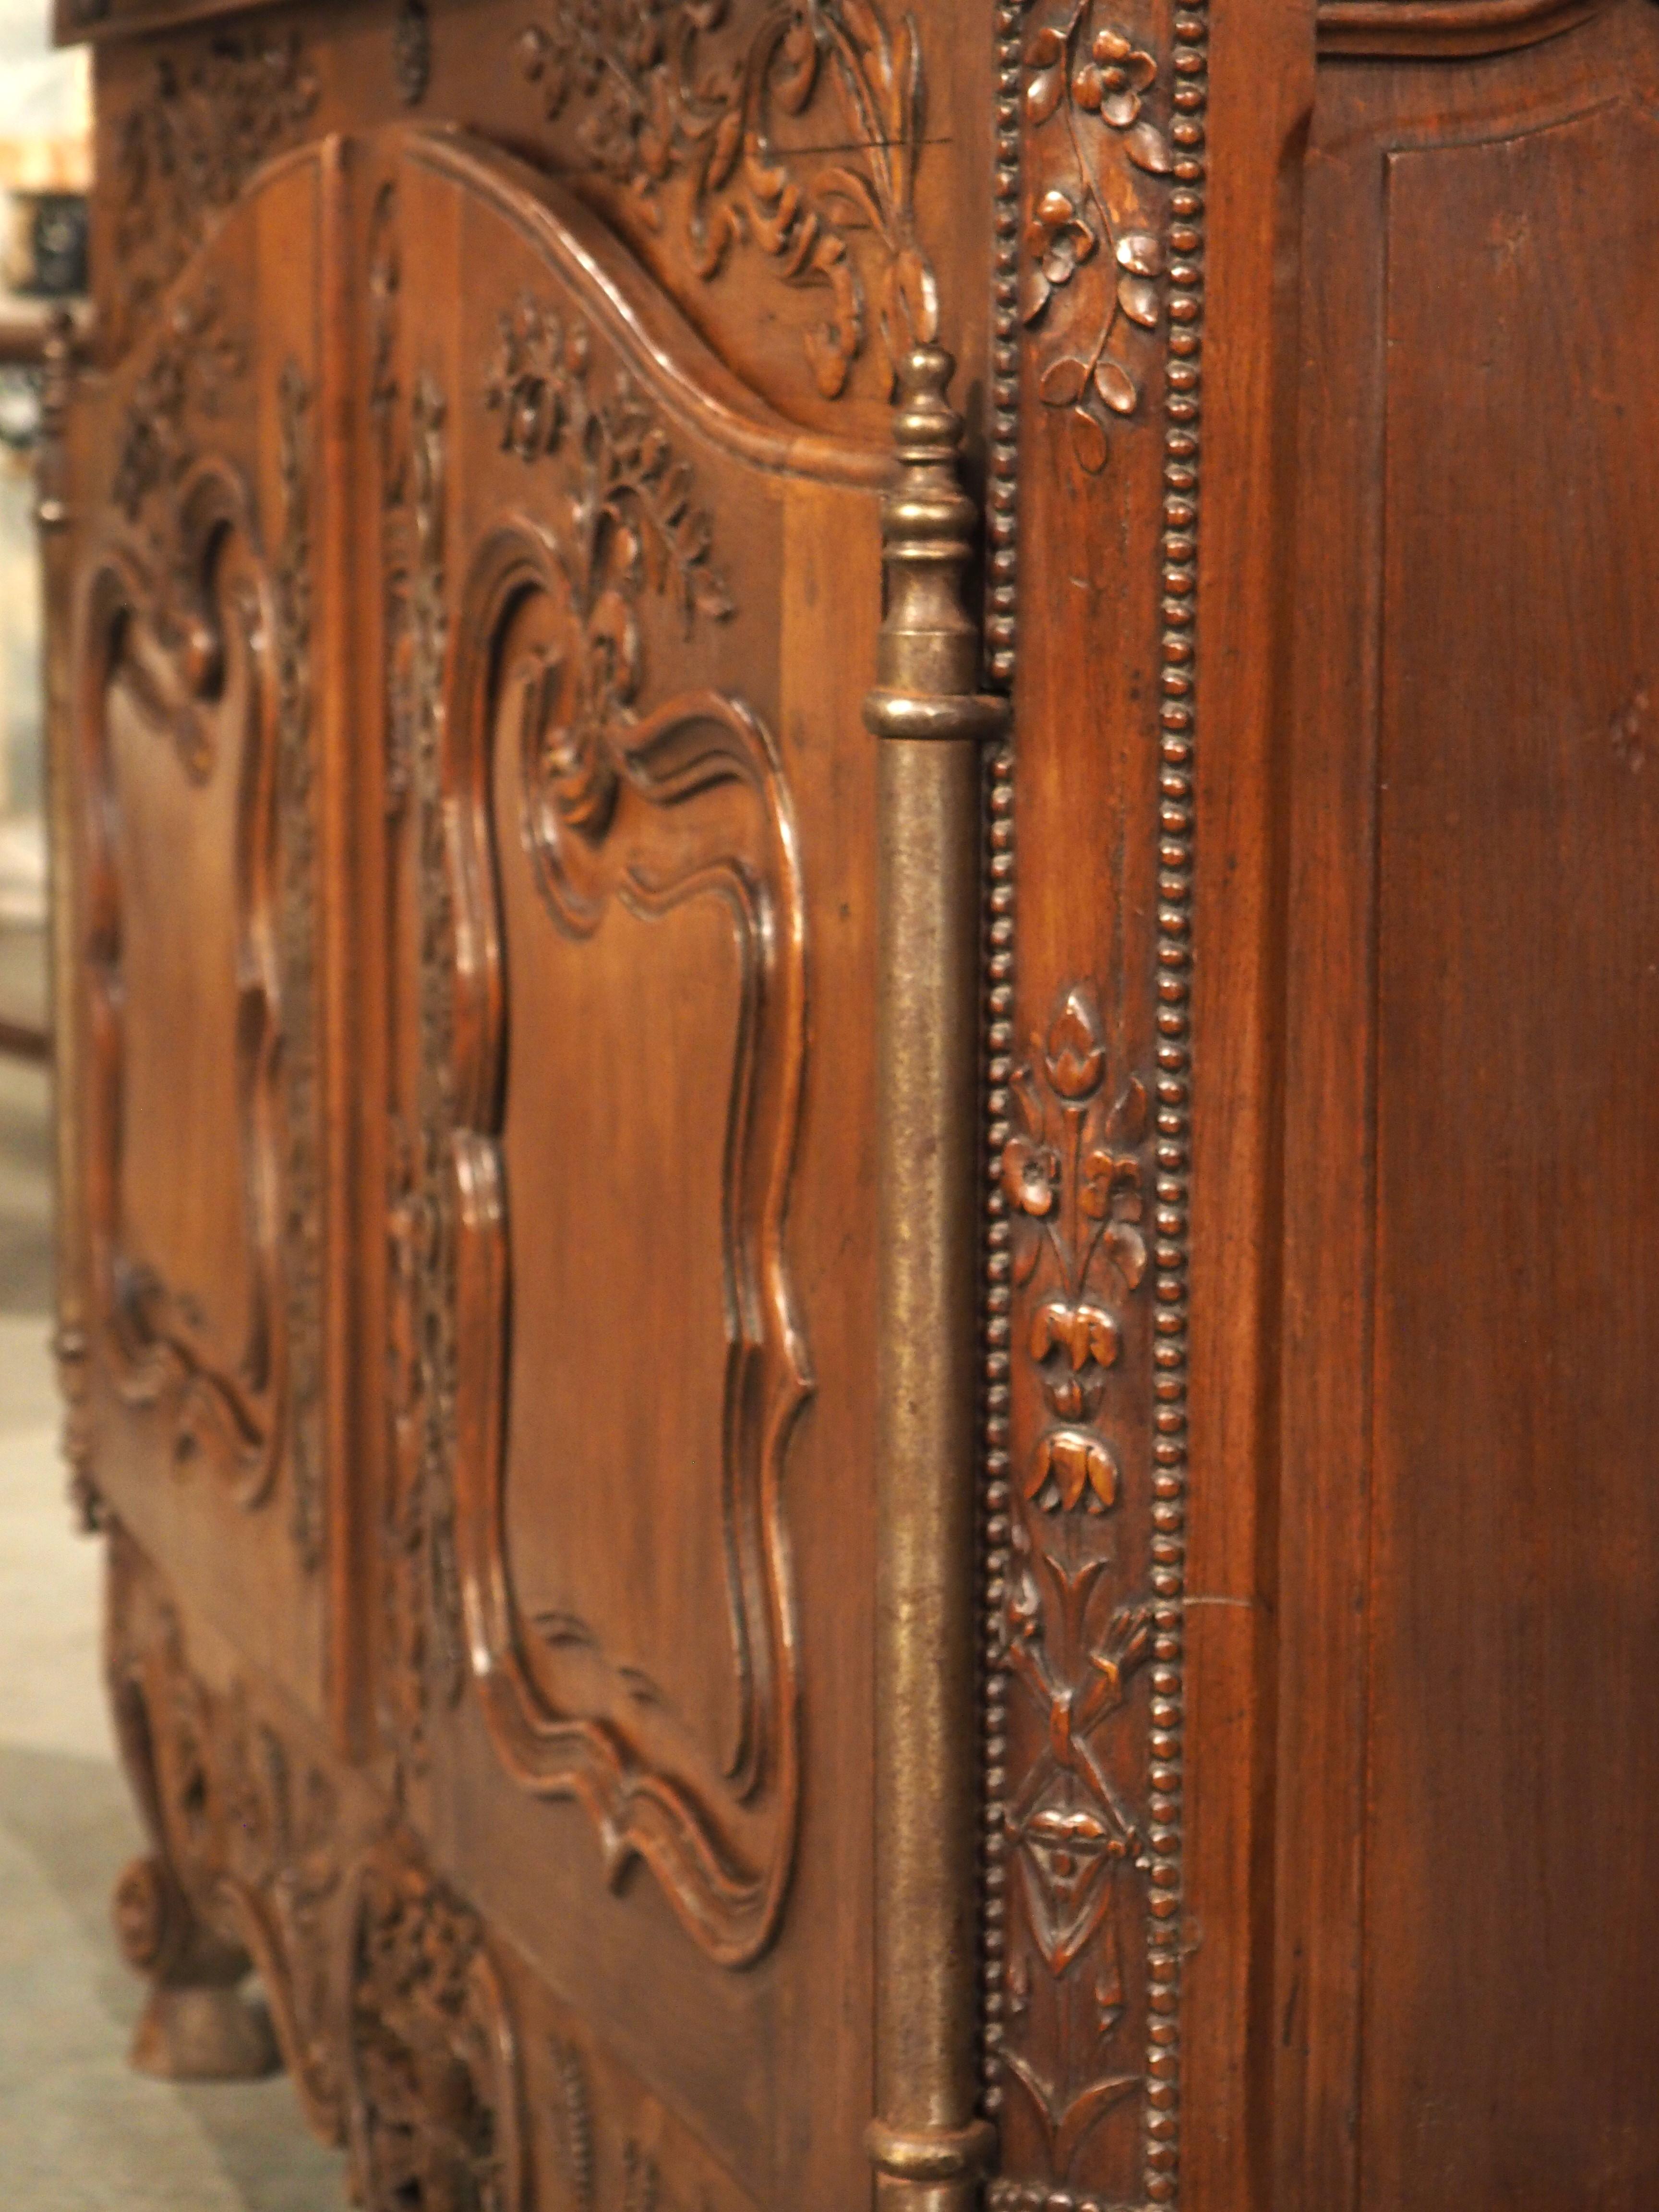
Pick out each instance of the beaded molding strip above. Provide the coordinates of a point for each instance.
(1171, 1146)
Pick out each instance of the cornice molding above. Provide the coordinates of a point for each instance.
(1433, 29)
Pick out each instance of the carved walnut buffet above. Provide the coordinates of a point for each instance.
(858, 1202)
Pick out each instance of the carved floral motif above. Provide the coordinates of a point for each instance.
(423, 1589)
(633, 525)
(432, 2061)
(666, 98)
(1073, 1834)
(190, 380)
(1073, 1180)
(1093, 253)
(302, 1220)
(188, 147)
(189, 373)
(1085, 1405)
(1078, 1612)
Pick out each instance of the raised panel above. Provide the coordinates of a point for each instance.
(198, 783)
(622, 1549)
(605, 867)
(1468, 1721)
(627, 1540)
(1518, 1042)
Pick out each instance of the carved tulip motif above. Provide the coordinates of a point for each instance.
(1073, 1181)
(1090, 141)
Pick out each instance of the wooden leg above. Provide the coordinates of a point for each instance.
(198, 2025)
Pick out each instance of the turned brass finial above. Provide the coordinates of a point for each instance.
(928, 652)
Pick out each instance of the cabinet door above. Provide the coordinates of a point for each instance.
(628, 616)
(193, 1066)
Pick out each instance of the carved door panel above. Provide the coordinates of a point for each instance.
(193, 1345)
(627, 1533)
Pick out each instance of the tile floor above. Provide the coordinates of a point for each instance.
(78, 2131)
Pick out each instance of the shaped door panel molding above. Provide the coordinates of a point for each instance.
(603, 1019)
(618, 893)
(177, 719)
(201, 1267)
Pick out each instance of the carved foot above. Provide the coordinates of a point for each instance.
(197, 2026)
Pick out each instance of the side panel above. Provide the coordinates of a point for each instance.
(1470, 1395)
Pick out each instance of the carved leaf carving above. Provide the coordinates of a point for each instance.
(184, 151)
(676, 92)
(1090, 137)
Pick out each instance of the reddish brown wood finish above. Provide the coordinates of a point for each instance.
(465, 570)
(1467, 1654)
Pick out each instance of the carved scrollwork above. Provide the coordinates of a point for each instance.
(177, 629)
(388, 2007)
(671, 91)
(245, 1870)
(186, 150)
(702, 754)
(191, 637)
(433, 2060)
(1094, 250)
(622, 804)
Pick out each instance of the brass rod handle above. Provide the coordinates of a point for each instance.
(926, 2144)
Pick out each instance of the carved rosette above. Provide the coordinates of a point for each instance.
(696, 114)
(1088, 1182)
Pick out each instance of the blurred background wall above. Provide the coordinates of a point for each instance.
(44, 172)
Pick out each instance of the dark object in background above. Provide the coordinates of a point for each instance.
(45, 253)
